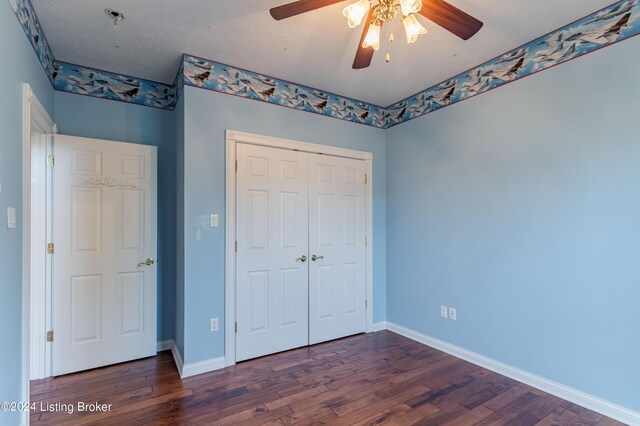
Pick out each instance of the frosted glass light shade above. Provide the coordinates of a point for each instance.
(372, 39)
(410, 6)
(413, 28)
(356, 12)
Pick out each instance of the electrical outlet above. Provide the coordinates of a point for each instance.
(214, 221)
(214, 324)
(453, 314)
(443, 311)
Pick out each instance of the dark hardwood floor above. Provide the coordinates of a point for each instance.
(380, 378)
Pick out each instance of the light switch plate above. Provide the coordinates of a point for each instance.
(11, 218)
(443, 311)
(214, 220)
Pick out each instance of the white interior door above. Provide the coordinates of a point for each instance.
(272, 249)
(104, 274)
(337, 230)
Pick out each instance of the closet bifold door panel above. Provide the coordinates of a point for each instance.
(272, 268)
(337, 252)
(300, 249)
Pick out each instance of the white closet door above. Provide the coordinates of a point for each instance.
(337, 289)
(104, 229)
(272, 237)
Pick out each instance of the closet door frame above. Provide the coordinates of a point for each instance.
(234, 137)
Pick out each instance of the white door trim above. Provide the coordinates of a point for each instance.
(232, 138)
(34, 119)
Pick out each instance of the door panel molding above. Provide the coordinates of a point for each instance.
(233, 137)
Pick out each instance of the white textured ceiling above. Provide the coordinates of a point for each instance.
(315, 49)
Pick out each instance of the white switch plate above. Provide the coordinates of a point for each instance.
(453, 314)
(443, 311)
(214, 324)
(214, 220)
(11, 218)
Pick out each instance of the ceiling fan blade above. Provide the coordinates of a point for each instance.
(364, 55)
(298, 7)
(451, 18)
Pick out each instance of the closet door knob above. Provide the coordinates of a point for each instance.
(314, 257)
(147, 262)
(302, 258)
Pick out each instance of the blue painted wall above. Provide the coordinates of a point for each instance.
(24, 67)
(96, 118)
(207, 116)
(521, 209)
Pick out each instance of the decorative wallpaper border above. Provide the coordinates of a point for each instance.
(31, 26)
(603, 28)
(207, 74)
(89, 81)
(107, 85)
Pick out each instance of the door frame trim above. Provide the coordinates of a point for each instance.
(35, 118)
(233, 137)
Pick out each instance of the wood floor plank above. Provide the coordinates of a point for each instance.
(472, 417)
(415, 415)
(379, 378)
(301, 395)
(512, 410)
(523, 419)
(558, 417)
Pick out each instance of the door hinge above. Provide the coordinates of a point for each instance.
(366, 305)
(236, 165)
(366, 242)
(366, 179)
(51, 248)
(236, 246)
(236, 327)
(50, 336)
(50, 160)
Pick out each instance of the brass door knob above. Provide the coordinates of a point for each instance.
(302, 258)
(314, 257)
(147, 262)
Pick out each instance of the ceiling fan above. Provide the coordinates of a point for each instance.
(438, 11)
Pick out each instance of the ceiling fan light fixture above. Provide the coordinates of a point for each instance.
(410, 6)
(383, 12)
(372, 39)
(356, 12)
(413, 28)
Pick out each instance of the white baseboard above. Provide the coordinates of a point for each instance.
(583, 399)
(379, 326)
(202, 367)
(195, 368)
(177, 358)
(164, 345)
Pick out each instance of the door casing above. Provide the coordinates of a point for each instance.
(35, 119)
(232, 138)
